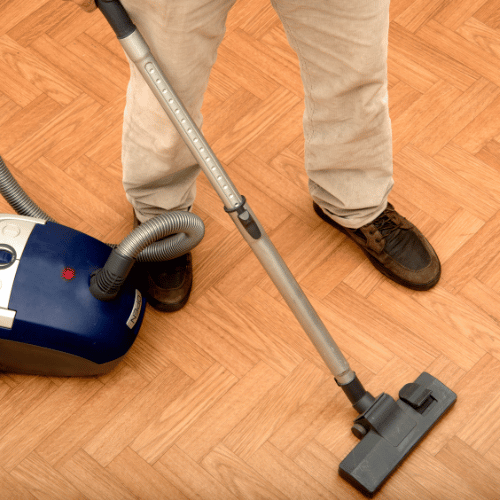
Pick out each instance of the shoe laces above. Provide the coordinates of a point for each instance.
(389, 227)
(400, 242)
(386, 226)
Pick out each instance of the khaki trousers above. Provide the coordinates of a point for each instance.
(342, 50)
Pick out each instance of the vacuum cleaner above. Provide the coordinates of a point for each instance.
(77, 311)
(66, 305)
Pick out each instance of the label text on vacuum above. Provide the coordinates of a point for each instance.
(136, 310)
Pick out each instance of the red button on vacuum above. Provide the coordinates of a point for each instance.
(68, 273)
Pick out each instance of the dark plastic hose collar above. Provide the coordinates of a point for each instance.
(105, 283)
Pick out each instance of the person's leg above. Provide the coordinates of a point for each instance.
(159, 171)
(342, 49)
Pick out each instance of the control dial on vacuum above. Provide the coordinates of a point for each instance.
(7, 256)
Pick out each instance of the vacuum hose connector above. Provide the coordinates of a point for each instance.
(165, 237)
(105, 283)
(187, 230)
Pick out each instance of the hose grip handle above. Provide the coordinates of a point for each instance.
(117, 17)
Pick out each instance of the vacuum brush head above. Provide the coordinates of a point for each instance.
(389, 430)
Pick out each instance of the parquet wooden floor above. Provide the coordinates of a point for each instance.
(227, 399)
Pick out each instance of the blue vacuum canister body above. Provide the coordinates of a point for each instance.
(50, 324)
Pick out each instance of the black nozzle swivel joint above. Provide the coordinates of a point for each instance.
(105, 283)
(360, 398)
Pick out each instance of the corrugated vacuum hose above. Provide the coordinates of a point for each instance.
(164, 237)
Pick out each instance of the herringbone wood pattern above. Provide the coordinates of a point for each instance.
(227, 398)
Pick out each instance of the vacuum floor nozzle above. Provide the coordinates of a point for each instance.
(390, 429)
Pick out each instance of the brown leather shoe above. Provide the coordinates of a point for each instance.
(169, 283)
(396, 248)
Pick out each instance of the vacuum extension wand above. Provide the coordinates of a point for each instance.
(234, 204)
(389, 429)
